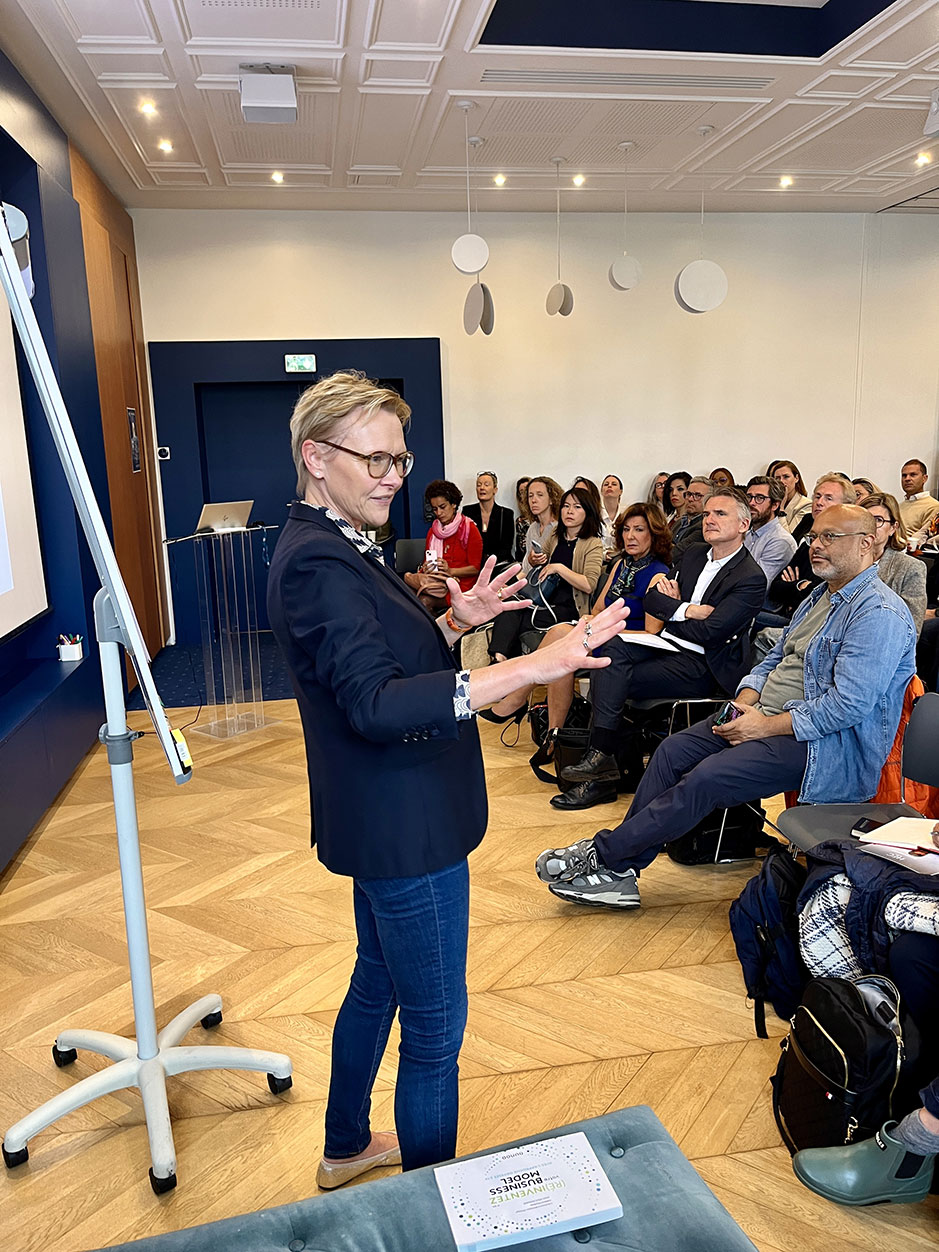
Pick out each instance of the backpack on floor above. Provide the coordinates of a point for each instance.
(716, 841)
(836, 1081)
(765, 927)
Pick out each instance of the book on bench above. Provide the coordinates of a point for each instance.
(538, 1189)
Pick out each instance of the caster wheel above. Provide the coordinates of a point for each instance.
(212, 1019)
(12, 1159)
(162, 1185)
(279, 1085)
(63, 1056)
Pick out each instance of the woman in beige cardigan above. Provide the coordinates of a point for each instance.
(570, 576)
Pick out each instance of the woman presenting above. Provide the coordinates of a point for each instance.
(397, 787)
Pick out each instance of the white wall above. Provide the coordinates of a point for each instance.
(825, 350)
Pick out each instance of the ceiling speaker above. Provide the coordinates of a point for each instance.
(269, 97)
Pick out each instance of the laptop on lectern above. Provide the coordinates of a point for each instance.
(220, 517)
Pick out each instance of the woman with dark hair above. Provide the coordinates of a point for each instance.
(644, 549)
(575, 560)
(673, 495)
(524, 519)
(495, 523)
(454, 548)
(796, 503)
(722, 478)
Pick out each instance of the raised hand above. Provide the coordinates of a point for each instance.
(488, 597)
(575, 650)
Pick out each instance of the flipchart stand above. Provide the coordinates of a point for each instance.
(150, 1058)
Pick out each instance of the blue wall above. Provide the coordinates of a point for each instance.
(49, 712)
(248, 456)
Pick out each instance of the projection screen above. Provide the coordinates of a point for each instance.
(22, 584)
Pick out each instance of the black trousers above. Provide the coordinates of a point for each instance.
(506, 630)
(637, 672)
(913, 965)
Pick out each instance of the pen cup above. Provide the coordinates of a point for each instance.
(70, 651)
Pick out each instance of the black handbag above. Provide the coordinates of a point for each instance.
(707, 844)
(848, 1046)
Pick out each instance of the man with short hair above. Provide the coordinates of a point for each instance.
(707, 607)
(918, 507)
(797, 579)
(817, 716)
(688, 529)
(768, 541)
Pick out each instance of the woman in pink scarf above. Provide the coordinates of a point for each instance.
(456, 544)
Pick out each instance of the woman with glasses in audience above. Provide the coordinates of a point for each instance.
(495, 523)
(674, 495)
(397, 784)
(453, 545)
(524, 519)
(902, 573)
(544, 504)
(722, 478)
(657, 490)
(796, 505)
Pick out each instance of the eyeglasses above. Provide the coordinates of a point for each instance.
(694, 495)
(882, 521)
(379, 463)
(827, 537)
(756, 499)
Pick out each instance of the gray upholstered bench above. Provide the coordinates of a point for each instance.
(667, 1208)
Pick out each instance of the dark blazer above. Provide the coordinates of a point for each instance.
(683, 540)
(499, 538)
(785, 597)
(397, 787)
(737, 595)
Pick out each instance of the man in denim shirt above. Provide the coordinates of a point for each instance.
(818, 715)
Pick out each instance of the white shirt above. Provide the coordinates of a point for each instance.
(710, 571)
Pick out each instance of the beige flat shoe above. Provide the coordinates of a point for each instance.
(330, 1174)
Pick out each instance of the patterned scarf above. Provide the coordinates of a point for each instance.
(625, 578)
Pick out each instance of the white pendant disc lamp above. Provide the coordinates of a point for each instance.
(702, 285)
(470, 253)
(560, 298)
(625, 272)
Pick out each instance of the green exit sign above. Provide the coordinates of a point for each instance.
(301, 363)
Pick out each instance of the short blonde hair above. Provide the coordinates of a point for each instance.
(847, 486)
(323, 408)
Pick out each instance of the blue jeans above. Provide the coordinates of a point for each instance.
(411, 959)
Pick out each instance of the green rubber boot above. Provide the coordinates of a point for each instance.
(870, 1172)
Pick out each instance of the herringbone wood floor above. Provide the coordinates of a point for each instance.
(572, 1012)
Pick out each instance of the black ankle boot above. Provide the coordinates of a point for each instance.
(585, 795)
(594, 766)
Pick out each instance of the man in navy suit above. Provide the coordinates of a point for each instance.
(397, 786)
(707, 608)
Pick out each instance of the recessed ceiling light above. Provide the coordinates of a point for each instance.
(578, 180)
(148, 107)
(277, 177)
(785, 181)
(499, 180)
(924, 158)
(165, 146)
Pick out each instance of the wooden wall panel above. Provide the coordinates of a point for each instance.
(110, 261)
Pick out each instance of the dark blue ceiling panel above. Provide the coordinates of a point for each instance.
(678, 26)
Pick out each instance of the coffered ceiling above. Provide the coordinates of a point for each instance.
(379, 127)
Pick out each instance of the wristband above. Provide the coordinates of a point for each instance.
(451, 623)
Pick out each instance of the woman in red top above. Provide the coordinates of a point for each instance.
(456, 545)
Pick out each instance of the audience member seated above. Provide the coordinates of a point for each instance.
(796, 503)
(494, 522)
(673, 496)
(575, 563)
(863, 487)
(707, 607)
(768, 541)
(657, 490)
(790, 587)
(926, 539)
(611, 494)
(722, 478)
(456, 544)
(687, 530)
(543, 574)
(524, 519)
(828, 741)
(903, 574)
(918, 507)
(588, 485)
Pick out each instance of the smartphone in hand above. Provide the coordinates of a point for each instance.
(727, 713)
